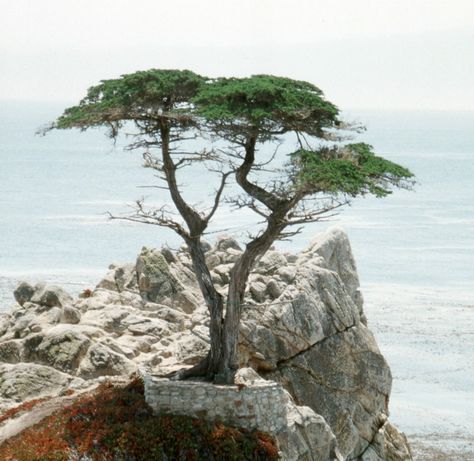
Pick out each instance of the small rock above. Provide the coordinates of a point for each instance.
(223, 270)
(247, 376)
(102, 361)
(271, 262)
(23, 293)
(51, 296)
(258, 291)
(224, 242)
(70, 315)
(168, 255)
(212, 260)
(10, 352)
(231, 255)
(205, 246)
(155, 280)
(287, 274)
(274, 289)
(291, 258)
(216, 278)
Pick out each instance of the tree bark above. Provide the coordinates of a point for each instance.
(221, 362)
(214, 303)
(196, 225)
(239, 274)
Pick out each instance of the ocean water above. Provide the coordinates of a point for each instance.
(414, 249)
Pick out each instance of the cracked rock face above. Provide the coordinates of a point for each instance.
(313, 339)
(303, 326)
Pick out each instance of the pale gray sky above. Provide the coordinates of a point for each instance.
(389, 54)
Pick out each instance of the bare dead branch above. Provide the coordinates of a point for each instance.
(218, 196)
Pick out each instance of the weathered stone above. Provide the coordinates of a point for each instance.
(21, 325)
(70, 315)
(60, 349)
(23, 293)
(316, 307)
(186, 300)
(120, 277)
(229, 256)
(10, 351)
(189, 350)
(212, 260)
(270, 262)
(346, 380)
(290, 258)
(51, 296)
(334, 247)
(225, 242)
(51, 316)
(389, 444)
(108, 282)
(287, 273)
(100, 360)
(155, 280)
(246, 376)
(307, 437)
(258, 291)
(110, 318)
(274, 289)
(126, 277)
(170, 315)
(5, 324)
(23, 381)
(145, 326)
(168, 255)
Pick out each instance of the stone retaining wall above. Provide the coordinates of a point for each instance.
(261, 405)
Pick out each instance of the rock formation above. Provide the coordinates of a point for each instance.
(303, 326)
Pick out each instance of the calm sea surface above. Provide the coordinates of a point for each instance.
(415, 250)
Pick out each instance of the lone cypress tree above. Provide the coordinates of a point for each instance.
(235, 118)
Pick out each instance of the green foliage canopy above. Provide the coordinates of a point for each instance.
(352, 170)
(143, 95)
(269, 105)
(234, 109)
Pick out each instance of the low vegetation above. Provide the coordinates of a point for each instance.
(115, 423)
(21, 409)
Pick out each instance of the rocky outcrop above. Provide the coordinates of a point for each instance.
(303, 326)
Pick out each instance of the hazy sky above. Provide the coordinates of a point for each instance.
(393, 54)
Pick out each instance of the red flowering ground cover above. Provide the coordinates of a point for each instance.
(20, 409)
(116, 424)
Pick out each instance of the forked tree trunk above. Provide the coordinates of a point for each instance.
(239, 275)
(221, 362)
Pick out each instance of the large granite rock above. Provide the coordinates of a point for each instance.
(303, 326)
(313, 339)
(23, 381)
(307, 437)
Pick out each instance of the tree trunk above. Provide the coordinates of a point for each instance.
(239, 274)
(238, 281)
(209, 366)
(214, 303)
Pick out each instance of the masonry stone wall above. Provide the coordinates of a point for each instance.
(261, 405)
